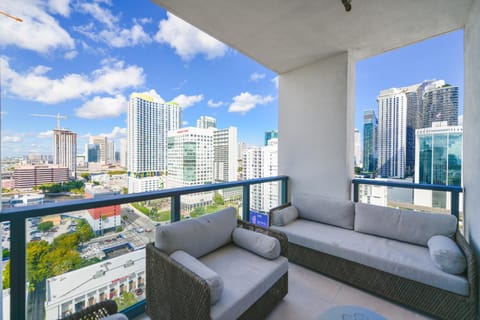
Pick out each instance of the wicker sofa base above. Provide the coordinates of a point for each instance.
(434, 301)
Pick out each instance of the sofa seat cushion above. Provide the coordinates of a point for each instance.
(246, 277)
(197, 236)
(399, 258)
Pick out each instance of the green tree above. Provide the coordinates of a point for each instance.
(358, 170)
(45, 226)
(5, 253)
(126, 300)
(6, 276)
(67, 241)
(85, 175)
(59, 261)
(198, 211)
(218, 199)
(36, 271)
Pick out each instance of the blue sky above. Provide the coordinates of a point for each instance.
(82, 59)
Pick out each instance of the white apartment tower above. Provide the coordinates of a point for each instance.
(123, 152)
(259, 162)
(206, 122)
(110, 151)
(190, 157)
(357, 151)
(65, 150)
(225, 158)
(148, 123)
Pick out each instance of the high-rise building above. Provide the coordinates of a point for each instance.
(93, 152)
(205, 122)
(440, 103)
(357, 151)
(190, 157)
(438, 161)
(261, 162)
(101, 141)
(65, 150)
(123, 152)
(148, 124)
(369, 141)
(272, 134)
(225, 158)
(110, 151)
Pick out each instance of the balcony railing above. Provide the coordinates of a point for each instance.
(453, 190)
(18, 217)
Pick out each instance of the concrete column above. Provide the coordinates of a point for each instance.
(471, 126)
(316, 127)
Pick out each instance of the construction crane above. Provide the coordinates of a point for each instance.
(58, 116)
(10, 16)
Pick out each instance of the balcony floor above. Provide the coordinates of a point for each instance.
(310, 294)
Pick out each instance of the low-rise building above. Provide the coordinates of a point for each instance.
(28, 176)
(104, 218)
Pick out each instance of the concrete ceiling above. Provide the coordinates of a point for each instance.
(287, 34)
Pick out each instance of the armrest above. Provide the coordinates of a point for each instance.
(472, 273)
(171, 288)
(282, 237)
(280, 207)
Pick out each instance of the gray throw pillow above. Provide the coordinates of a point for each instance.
(284, 216)
(214, 281)
(260, 244)
(446, 255)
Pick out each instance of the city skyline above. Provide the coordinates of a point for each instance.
(135, 51)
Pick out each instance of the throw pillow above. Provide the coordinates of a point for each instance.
(446, 255)
(214, 281)
(260, 244)
(284, 216)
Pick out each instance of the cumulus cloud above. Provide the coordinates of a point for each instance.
(45, 134)
(187, 40)
(111, 33)
(117, 133)
(103, 107)
(184, 123)
(187, 101)
(111, 78)
(215, 104)
(245, 101)
(39, 31)
(12, 138)
(71, 54)
(257, 76)
(154, 94)
(275, 81)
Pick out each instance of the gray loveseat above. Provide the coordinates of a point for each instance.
(392, 253)
(215, 267)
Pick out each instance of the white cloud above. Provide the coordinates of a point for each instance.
(71, 54)
(117, 133)
(187, 101)
(60, 6)
(245, 101)
(111, 78)
(216, 104)
(112, 34)
(184, 123)
(39, 30)
(154, 94)
(103, 107)
(187, 40)
(275, 81)
(12, 138)
(45, 134)
(257, 76)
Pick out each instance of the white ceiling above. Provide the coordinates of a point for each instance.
(287, 34)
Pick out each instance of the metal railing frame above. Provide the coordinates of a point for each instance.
(454, 190)
(18, 217)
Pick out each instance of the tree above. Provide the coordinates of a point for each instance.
(45, 226)
(36, 271)
(125, 300)
(59, 261)
(218, 199)
(198, 211)
(6, 276)
(85, 175)
(358, 170)
(5, 253)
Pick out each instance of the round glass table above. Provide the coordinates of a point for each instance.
(350, 313)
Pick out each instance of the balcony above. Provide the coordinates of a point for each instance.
(306, 287)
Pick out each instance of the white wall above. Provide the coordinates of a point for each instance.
(316, 127)
(471, 124)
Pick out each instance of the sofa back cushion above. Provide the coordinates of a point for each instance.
(197, 236)
(404, 225)
(340, 213)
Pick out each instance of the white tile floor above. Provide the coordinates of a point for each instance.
(310, 294)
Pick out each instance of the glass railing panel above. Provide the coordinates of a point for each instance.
(202, 203)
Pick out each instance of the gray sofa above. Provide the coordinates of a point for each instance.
(215, 267)
(400, 255)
